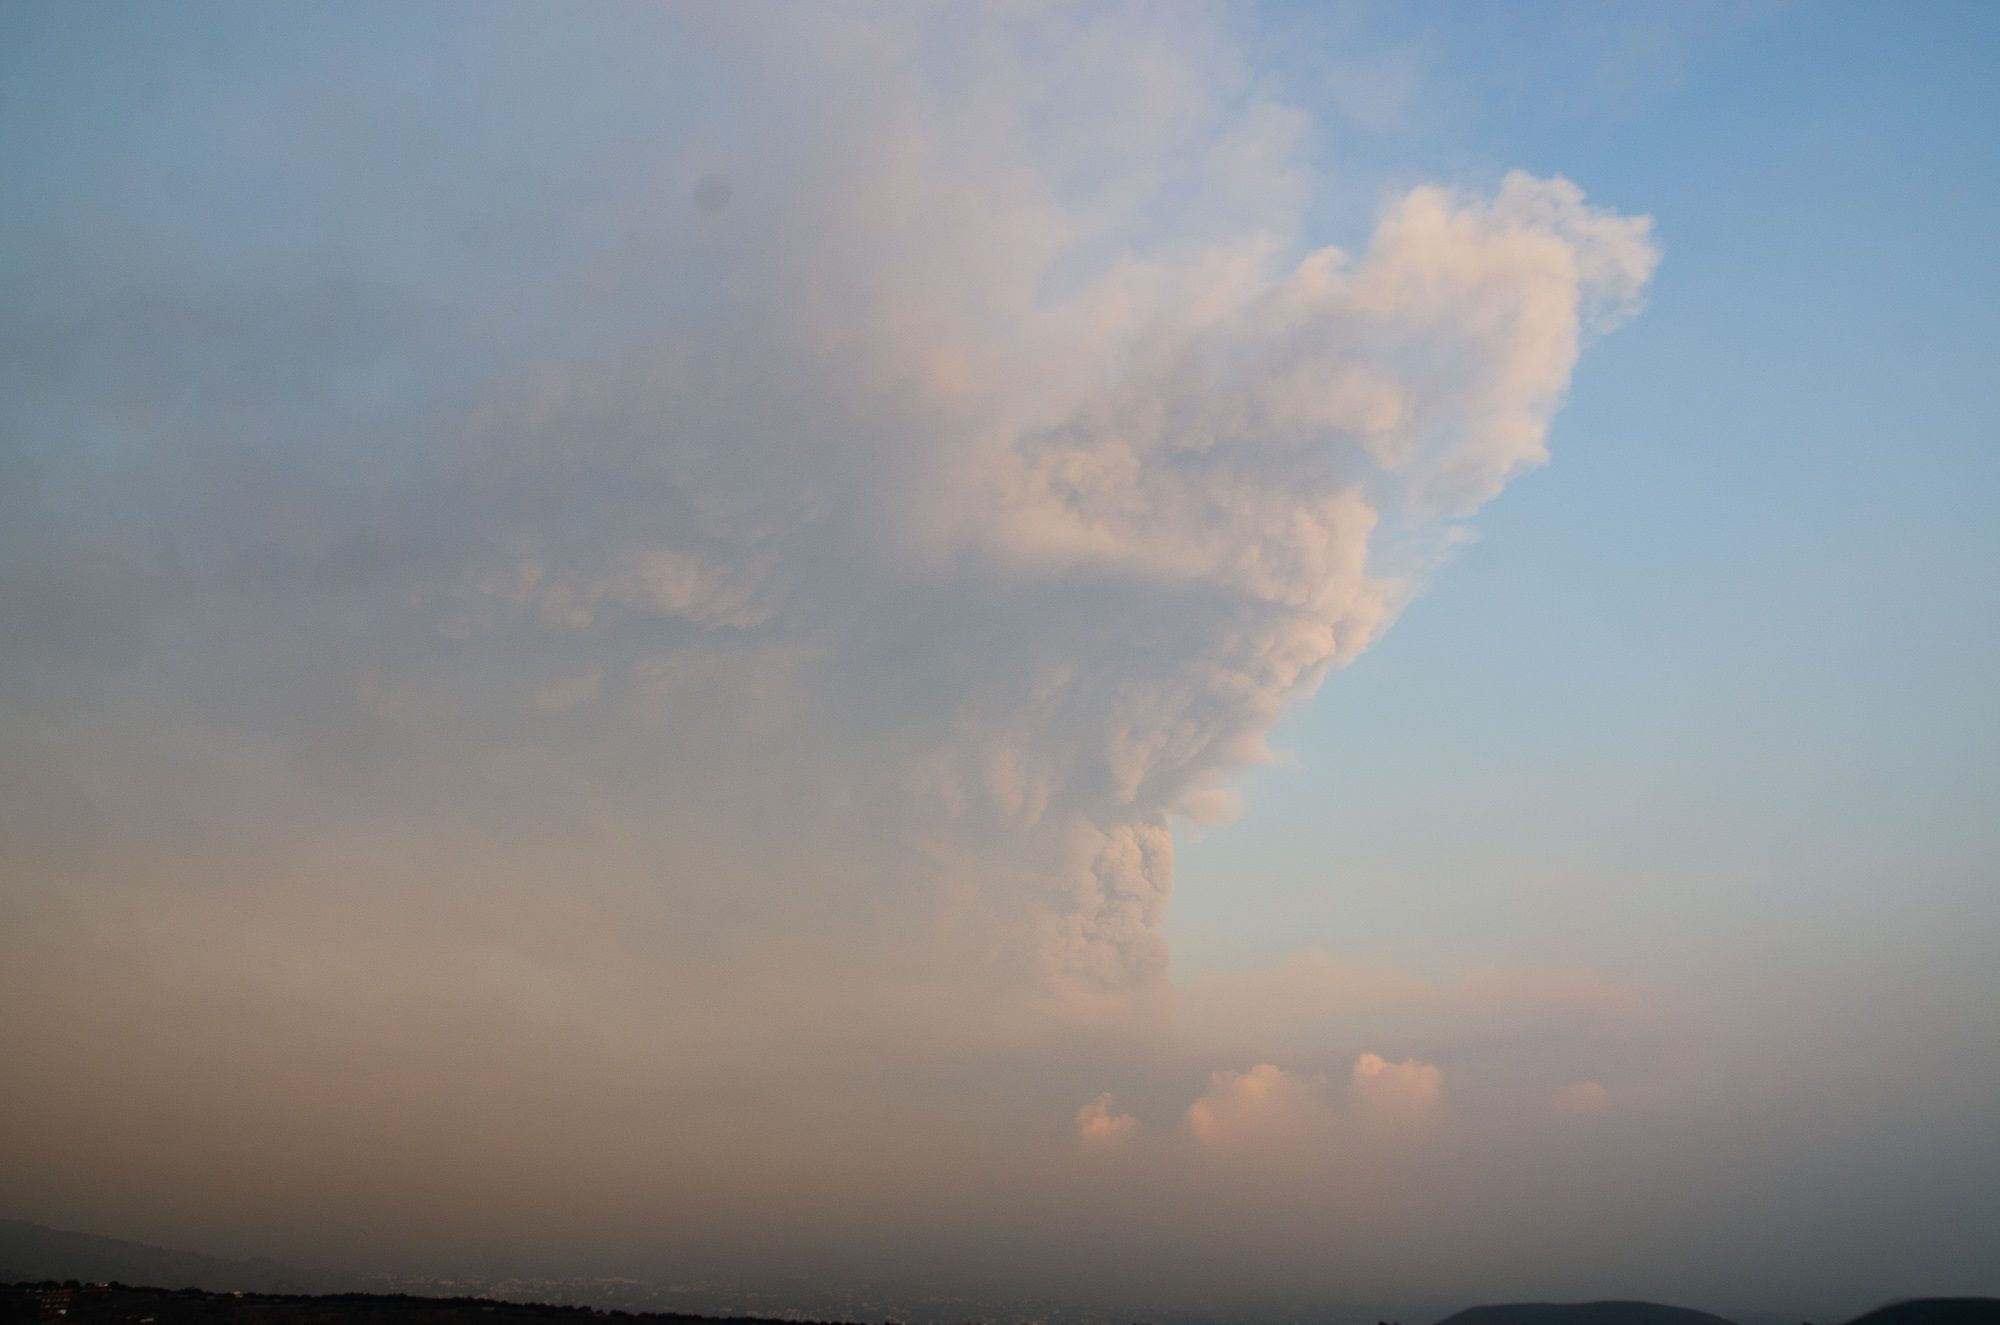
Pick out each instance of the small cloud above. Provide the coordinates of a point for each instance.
(1405, 1090)
(1097, 1124)
(1581, 1099)
(1264, 1104)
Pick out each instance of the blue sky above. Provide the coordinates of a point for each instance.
(1737, 638)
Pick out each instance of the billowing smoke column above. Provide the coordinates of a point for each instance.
(889, 479)
(1035, 510)
(595, 611)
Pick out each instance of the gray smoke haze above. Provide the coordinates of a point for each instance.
(609, 632)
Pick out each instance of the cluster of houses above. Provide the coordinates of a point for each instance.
(56, 1303)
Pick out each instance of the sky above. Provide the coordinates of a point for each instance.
(1259, 659)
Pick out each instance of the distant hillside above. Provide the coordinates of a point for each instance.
(1588, 1313)
(1916, 1311)
(119, 1305)
(1936, 1311)
(30, 1251)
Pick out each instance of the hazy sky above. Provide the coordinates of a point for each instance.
(1233, 656)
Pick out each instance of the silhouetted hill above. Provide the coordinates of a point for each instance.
(30, 1251)
(101, 1271)
(117, 1304)
(1935, 1311)
(1585, 1313)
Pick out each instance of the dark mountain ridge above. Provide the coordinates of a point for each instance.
(1935, 1311)
(120, 1304)
(31, 1251)
(189, 1288)
(1583, 1313)
(1915, 1311)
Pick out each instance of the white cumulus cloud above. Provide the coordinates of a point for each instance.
(1099, 1123)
